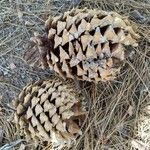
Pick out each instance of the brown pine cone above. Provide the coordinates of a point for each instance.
(84, 44)
(49, 111)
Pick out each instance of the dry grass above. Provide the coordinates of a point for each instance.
(115, 108)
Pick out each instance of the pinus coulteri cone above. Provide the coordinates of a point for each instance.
(84, 44)
(49, 111)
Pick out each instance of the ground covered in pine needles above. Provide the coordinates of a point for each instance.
(119, 111)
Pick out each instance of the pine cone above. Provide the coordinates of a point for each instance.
(84, 44)
(49, 111)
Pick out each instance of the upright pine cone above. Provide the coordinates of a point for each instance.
(49, 111)
(84, 44)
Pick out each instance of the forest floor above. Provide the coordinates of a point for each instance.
(124, 122)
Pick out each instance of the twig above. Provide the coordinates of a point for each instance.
(11, 145)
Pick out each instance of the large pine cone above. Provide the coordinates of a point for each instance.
(84, 44)
(49, 111)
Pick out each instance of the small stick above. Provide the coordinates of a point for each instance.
(11, 145)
